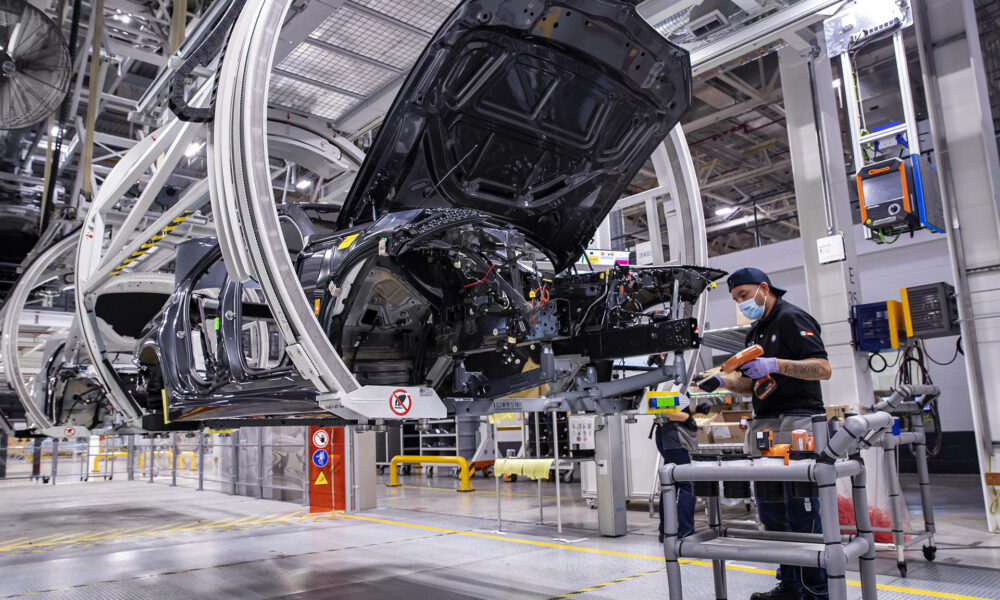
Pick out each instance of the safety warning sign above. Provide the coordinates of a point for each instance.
(400, 402)
(321, 438)
(320, 458)
(326, 469)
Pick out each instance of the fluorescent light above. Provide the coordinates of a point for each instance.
(54, 131)
(724, 211)
(303, 184)
(193, 148)
(124, 18)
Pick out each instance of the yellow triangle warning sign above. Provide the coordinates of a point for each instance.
(321, 480)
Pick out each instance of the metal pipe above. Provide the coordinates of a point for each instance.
(55, 460)
(201, 460)
(779, 536)
(555, 450)
(538, 454)
(854, 428)
(173, 459)
(867, 558)
(801, 471)
(496, 478)
(920, 453)
(668, 500)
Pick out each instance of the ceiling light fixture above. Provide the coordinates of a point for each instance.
(724, 211)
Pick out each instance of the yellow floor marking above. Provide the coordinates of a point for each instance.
(42, 541)
(608, 584)
(235, 523)
(20, 539)
(31, 541)
(264, 519)
(493, 492)
(851, 582)
(115, 534)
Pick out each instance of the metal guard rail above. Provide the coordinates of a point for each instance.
(464, 474)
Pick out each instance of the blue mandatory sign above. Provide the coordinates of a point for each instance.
(320, 458)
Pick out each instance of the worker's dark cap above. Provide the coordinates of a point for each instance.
(752, 276)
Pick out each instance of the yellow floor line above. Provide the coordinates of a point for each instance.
(39, 541)
(484, 491)
(851, 582)
(608, 584)
(49, 541)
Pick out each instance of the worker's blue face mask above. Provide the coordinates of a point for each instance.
(750, 308)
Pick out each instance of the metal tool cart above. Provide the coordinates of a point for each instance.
(836, 457)
(907, 403)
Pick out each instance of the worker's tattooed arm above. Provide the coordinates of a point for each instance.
(810, 369)
(737, 383)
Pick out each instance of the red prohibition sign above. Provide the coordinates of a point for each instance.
(400, 402)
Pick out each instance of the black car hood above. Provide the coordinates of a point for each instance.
(537, 113)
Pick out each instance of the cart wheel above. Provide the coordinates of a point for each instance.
(405, 470)
(591, 504)
(902, 568)
(488, 472)
(567, 477)
(930, 553)
(510, 478)
(110, 477)
(45, 479)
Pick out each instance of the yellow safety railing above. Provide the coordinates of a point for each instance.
(106, 456)
(170, 454)
(465, 473)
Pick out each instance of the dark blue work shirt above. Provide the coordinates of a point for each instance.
(790, 333)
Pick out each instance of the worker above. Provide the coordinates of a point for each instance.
(675, 435)
(795, 357)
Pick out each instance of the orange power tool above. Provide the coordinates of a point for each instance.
(763, 386)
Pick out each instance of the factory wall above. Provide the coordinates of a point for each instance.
(883, 270)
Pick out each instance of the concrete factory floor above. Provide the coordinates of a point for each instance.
(121, 539)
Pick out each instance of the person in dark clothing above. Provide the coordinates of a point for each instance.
(795, 357)
(675, 434)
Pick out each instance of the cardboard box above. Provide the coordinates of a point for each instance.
(728, 427)
(842, 411)
(704, 435)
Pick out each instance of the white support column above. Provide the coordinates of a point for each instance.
(832, 288)
(965, 152)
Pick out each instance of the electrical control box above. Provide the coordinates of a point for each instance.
(930, 310)
(900, 195)
(581, 431)
(877, 326)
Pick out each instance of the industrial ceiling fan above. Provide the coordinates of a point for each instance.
(34, 65)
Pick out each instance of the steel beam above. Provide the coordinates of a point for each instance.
(814, 136)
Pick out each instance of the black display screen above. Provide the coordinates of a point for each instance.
(882, 189)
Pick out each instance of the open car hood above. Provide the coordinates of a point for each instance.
(537, 113)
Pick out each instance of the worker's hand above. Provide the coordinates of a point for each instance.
(710, 383)
(678, 417)
(760, 367)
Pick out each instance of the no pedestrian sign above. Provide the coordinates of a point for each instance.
(400, 402)
(320, 458)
